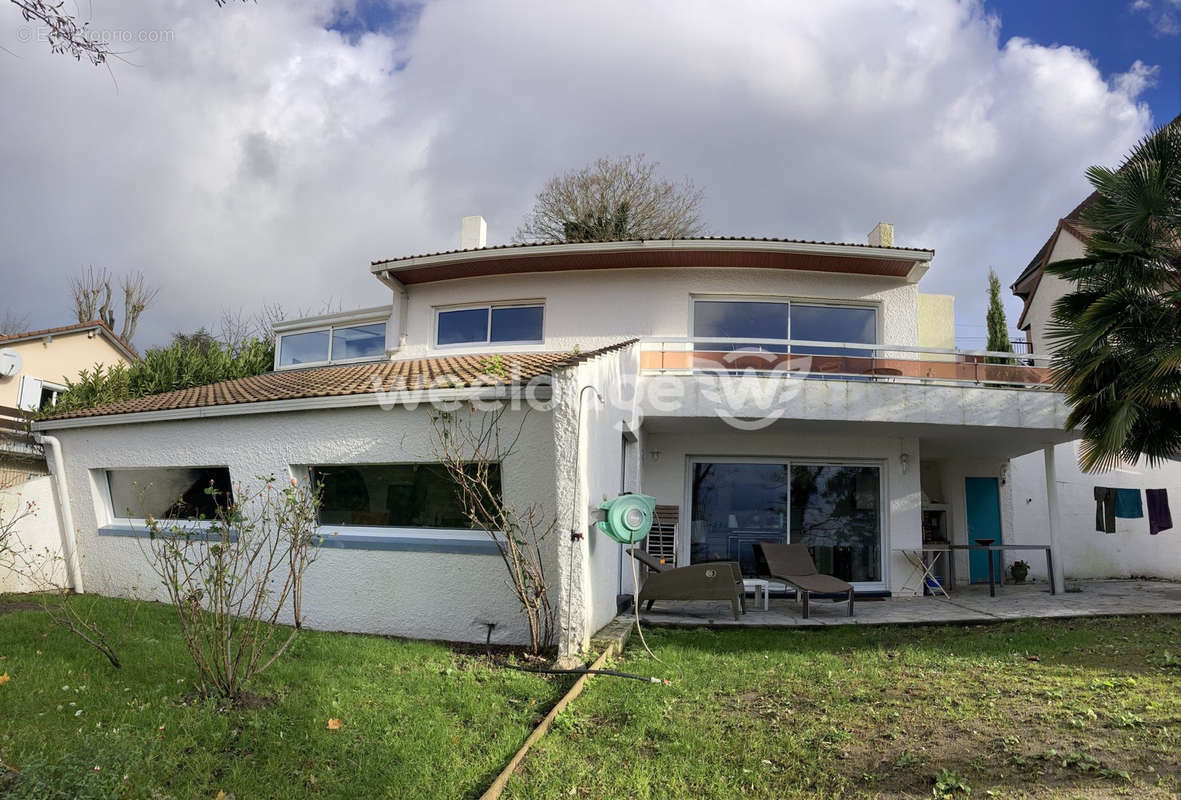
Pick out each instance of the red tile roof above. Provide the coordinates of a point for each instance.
(442, 372)
(77, 327)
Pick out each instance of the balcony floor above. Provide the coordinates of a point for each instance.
(967, 604)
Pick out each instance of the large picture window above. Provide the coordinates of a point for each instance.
(420, 495)
(491, 324)
(835, 509)
(168, 493)
(758, 319)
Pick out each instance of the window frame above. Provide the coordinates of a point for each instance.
(393, 533)
(487, 340)
(331, 328)
(789, 301)
(116, 524)
(55, 391)
(683, 540)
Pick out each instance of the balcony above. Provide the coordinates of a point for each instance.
(843, 361)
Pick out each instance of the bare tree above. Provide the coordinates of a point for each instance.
(44, 569)
(613, 199)
(12, 322)
(92, 297)
(472, 445)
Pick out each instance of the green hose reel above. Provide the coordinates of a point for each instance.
(628, 518)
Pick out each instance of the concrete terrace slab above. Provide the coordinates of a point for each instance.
(968, 604)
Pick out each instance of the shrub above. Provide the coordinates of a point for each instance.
(193, 360)
(230, 580)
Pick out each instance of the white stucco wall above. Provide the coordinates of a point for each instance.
(665, 478)
(39, 566)
(1084, 551)
(590, 567)
(416, 594)
(601, 306)
(1049, 289)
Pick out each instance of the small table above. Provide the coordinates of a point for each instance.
(757, 586)
(994, 567)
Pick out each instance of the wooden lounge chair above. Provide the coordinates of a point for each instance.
(792, 564)
(713, 580)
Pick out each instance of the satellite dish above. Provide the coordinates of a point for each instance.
(10, 363)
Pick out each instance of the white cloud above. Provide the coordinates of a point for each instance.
(1138, 78)
(1164, 22)
(257, 156)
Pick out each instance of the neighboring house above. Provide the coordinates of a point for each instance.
(760, 389)
(1089, 553)
(35, 367)
(46, 360)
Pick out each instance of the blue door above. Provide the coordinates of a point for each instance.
(983, 498)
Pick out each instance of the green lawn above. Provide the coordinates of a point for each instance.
(419, 720)
(1066, 709)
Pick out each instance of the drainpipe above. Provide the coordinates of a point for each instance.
(66, 530)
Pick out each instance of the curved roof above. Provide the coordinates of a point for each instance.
(714, 251)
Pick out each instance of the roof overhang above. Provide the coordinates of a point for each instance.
(890, 262)
(91, 329)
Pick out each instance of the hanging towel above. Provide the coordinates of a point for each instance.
(1104, 509)
(1127, 504)
(1159, 518)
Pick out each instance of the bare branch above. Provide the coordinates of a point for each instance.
(471, 447)
(12, 322)
(137, 296)
(92, 296)
(66, 34)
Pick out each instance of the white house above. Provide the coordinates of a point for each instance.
(760, 389)
(1130, 549)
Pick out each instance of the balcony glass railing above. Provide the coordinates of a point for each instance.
(842, 360)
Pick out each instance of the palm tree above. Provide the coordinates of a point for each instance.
(1118, 332)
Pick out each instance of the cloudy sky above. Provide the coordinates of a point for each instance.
(266, 152)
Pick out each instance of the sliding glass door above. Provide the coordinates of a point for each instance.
(835, 509)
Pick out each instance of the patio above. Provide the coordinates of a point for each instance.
(968, 603)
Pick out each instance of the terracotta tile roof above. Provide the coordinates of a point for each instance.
(442, 372)
(77, 327)
(519, 245)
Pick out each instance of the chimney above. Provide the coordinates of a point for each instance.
(882, 235)
(473, 233)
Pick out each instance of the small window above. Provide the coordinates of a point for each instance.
(358, 341)
(169, 493)
(490, 324)
(303, 348)
(395, 496)
(463, 326)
